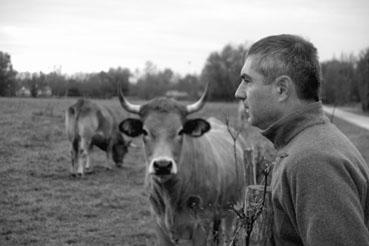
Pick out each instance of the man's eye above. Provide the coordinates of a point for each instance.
(245, 79)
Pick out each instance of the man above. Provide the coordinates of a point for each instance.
(320, 191)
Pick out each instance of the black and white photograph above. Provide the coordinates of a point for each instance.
(184, 123)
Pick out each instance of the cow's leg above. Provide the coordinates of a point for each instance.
(74, 159)
(162, 237)
(109, 156)
(81, 160)
(200, 235)
(88, 157)
(84, 158)
(227, 227)
(109, 163)
(217, 231)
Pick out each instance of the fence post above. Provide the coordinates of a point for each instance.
(261, 234)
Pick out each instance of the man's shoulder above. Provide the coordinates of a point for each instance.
(319, 149)
(322, 138)
(303, 159)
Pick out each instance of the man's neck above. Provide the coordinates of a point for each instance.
(293, 106)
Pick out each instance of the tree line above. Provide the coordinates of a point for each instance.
(344, 80)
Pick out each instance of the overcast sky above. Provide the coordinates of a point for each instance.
(90, 36)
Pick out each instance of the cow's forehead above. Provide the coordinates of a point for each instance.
(162, 121)
(164, 105)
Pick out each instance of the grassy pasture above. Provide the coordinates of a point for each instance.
(41, 204)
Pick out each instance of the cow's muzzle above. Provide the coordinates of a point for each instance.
(162, 167)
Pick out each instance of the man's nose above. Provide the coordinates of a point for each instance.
(240, 93)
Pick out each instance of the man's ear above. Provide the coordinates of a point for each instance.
(131, 127)
(284, 86)
(195, 127)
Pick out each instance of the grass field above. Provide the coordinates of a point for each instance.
(41, 204)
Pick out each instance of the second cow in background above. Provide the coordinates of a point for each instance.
(89, 124)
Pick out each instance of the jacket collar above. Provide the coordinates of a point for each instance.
(282, 131)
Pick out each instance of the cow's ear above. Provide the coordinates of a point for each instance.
(131, 127)
(195, 127)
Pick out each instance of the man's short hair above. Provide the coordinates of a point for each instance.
(289, 55)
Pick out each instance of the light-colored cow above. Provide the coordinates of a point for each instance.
(192, 173)
(89, 124)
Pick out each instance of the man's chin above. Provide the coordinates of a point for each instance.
(252, 121)
(255, 123)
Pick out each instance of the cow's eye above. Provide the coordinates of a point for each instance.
(178, 137)
(144, 132)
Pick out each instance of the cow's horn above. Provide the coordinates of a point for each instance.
(132, 108)
(192, 108)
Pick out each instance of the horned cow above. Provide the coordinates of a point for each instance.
(89, 124)
(192, 174)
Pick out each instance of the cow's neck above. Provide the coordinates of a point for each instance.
(104, 142)
(176, 210)
(166, 194)
(101, 142)
(170, 188)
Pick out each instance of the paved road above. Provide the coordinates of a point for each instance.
(359, 120)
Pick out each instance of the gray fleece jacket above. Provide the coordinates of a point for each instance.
(320, 191)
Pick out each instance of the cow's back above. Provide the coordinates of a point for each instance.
(93, 118)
